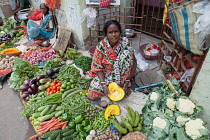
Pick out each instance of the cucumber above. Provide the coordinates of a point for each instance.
(64, 130)
(52, 109)
(54, 135)
(45, 111)
(68, 92)
(40, 109)
(36, 115)
(77, 91)
(46, 117)
(58, 108)
(46, 135)
(59, 113)
(71, 131)
(58, 137)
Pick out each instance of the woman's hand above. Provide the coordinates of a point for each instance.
(106, 90)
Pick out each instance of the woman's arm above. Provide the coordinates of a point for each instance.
(101, 77)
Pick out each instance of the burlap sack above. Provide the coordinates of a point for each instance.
(134, 136)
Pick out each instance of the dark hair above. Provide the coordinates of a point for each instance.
(108, 23)
(48, 9)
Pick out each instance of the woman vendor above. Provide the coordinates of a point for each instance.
(44, 31)
(113, 61)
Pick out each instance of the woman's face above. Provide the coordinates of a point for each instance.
(43, 8)
(113, 34)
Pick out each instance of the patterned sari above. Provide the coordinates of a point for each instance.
(116, 63)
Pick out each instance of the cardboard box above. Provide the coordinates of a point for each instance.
(6, 10)
(62, 40)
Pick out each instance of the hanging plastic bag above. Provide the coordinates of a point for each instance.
(89, 14)
(187, 75)
(202, 25)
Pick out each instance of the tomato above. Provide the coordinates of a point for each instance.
(48, 90)
(50, 93)
(52, 84)
(59, 84)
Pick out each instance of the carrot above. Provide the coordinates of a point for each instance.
(56, 127)
(33, 137)
(62, 123)
(53, 124)
(47, 122)
(64, 126)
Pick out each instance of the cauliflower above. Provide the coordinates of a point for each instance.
(186, 106)
(154, 96)
(161, 123)
(170, 104)
(182, 118)
(192, 128)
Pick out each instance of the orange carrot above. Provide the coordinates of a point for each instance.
(46, 122)
(62, 123)
(64, 126)
(52, 124)
(56, 127)
(33, 137)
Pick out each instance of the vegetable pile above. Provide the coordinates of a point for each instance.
(172, 117)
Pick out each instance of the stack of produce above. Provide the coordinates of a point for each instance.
(7, 62)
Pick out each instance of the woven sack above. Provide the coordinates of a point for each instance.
(182, 22)
(134, 136)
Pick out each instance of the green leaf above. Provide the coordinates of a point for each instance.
(204, 132)
(181, 135)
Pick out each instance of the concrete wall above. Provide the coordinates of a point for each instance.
(201, 90)
(69, 16)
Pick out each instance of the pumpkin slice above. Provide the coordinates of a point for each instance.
(111, 110)
(116, 92)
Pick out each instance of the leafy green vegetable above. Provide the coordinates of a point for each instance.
(84, 63)
(51, 63)
(22, 71)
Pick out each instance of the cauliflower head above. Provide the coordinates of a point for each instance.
(154, 96)
(192, 128)
(186, 106)
(161, 123)
(170, 103)
(182, 118)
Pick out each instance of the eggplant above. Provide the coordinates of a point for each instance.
(27, 82)
(31, 91)
(38, 84)
(49, 72)
(27, 98)
(40, 77)
(57, 70)
(34, 87)
(24, 95)
(53, 77)
(24, 87)
(33, 81)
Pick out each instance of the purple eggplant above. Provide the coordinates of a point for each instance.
(38, 84)
(27, 82)
(49, 72)
(33, 81)
(24, 95)
(31, 91)
(24, 87)
(27, 98)
(40, 77)
(34, 87)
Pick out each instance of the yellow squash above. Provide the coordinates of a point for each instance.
(116, 92)
(10, 50)
(111, 110)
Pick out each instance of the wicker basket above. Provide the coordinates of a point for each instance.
(134, 136)
(147, 57)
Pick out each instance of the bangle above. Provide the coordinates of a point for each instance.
(127, 81)
(103, 82)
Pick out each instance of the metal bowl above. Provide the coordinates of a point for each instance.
(130, 33)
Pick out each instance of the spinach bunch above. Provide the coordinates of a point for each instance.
(84, 63)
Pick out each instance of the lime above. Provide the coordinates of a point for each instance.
(72, 85)
(62, 90)
(63, 85)
(68, 87)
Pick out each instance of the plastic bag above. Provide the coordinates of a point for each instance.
(187, 75)
(90, 14)
(202, 25)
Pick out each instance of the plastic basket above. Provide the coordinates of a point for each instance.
(147, 57)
